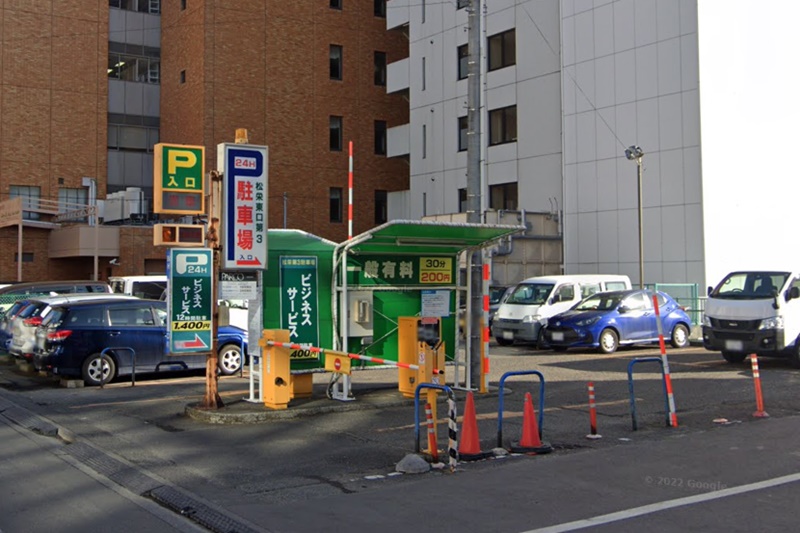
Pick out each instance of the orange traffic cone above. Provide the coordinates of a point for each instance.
(469, 445)
(530, 442)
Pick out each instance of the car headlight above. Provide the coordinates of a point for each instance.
(587, 321)
(529, 319)
(706, 321)
(775, 322)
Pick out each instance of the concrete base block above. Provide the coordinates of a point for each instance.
(25, 366)
(72, 383)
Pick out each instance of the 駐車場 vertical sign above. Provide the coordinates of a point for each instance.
(244, 196)
(300, 302)
(190, 304)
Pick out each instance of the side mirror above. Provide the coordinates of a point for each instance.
(793, 293)
(708, 290)
(623, 309)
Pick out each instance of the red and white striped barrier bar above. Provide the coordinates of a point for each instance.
(592, 414)
(350, 195)
(433, 448)
(760, 413)
(484, 385)
(367, 358)
(673, 416)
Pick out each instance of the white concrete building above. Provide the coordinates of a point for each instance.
(583, 80)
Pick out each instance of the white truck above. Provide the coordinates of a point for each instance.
(755, 311)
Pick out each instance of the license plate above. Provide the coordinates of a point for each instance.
(508, 335)
(736, 346)
(557, 336)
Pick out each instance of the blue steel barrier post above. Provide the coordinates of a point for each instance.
(501, 402)
(451, 397)
(658, 360)
(133, 363)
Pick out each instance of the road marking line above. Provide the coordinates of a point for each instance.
(668, 504)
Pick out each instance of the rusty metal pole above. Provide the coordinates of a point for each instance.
(212, 398)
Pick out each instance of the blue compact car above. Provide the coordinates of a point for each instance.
(71, 338)
(608, 320)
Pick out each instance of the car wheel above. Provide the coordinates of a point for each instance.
(680, 336)
(98, 369)
(608, 341)
(794, 354)
(504, 342)
(230, 359)
(734, 357)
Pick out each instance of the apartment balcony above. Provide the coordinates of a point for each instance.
(398, 141)
(398, 13)
(397, 74)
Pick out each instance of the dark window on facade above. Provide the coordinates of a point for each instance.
(424, 141)
(423, 73)
(30, 199)
(336, 4)
(183, 5)
(503, 125)
(380, 68)
(463, 126)
(27, 257)
(463, 61)
(502, 50)
(336, 62)
(422, 3)
(380, 137)
(462, 200)
(503, 196)
(461, 4)
(336, 133)
(336, 204)
(380, 8)
(183, 76)
(134, 68)
(381, 207)
(142, 6)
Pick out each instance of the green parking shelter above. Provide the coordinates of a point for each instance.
(403, 268)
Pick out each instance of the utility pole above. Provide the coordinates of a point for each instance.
(474, 185)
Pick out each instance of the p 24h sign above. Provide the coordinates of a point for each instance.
(179, 179)
(190, 305)
(244, 198)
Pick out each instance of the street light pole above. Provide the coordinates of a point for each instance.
(636, 153)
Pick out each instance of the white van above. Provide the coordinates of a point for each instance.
(754, 311)
(526, 309)
(149, 287)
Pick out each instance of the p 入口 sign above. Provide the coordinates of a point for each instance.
(244, 199)
(179, 179)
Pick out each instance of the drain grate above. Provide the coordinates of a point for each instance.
(196, 511)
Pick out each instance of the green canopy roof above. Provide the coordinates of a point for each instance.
(420, 237)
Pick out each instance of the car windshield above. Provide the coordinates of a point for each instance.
(496, 294)
(750, 285)
(530, 294)
(600, 302)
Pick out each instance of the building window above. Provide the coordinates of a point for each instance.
(463, 61)
(336, 4)
(183, 5)
(424, 141)
(424, 204)
(30, 199)
(131, 138)
(142, 6)
(27, 257)
(422, 4)
(183, 76)
(336, 62)
(380, 8)
(336, 204)
(336, 133)
(423, 73)
(134, 68)
(72, 200)
(381, 207)
(502, 50)
(380, 137)
(380, 68)
(462, 200)
(463, 127)
(503, 197)
(461, 4)
(503, 125)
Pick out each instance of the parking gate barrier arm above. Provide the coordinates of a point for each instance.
(133, 362)
(500, 401)
(452, 447)
(658, 360)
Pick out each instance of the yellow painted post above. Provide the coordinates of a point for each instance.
(276, 389)
(302, 386)
(407, 379)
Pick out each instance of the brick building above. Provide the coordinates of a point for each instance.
(302, 77)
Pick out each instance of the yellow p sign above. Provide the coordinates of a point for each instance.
(180, 158)
(179, 179)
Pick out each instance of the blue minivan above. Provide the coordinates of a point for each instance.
(71, 338)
